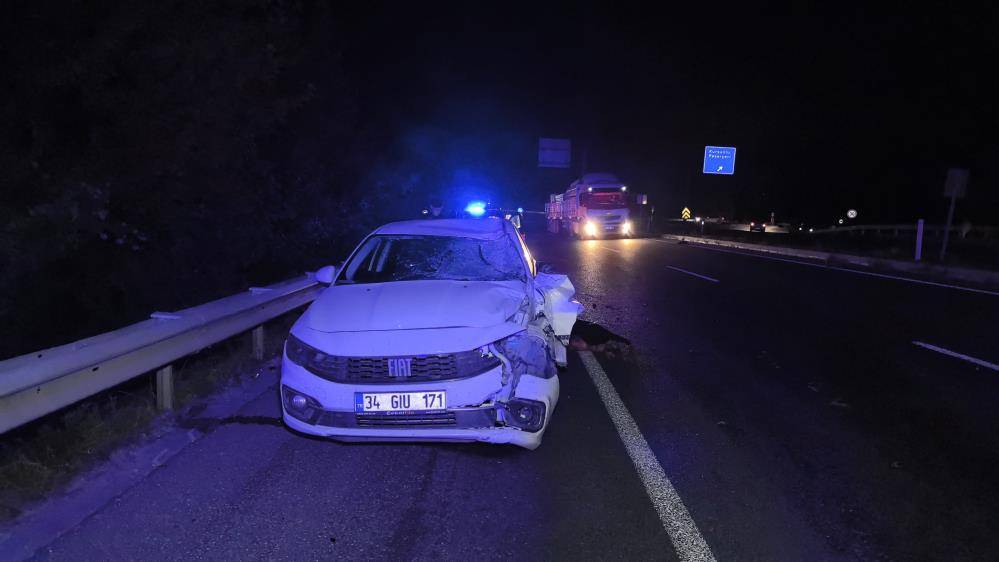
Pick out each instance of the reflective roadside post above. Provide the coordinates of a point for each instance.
(919, 239)
(955, 187)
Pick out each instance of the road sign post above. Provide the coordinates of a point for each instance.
(955, 187)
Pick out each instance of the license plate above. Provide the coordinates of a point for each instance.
(400, 402)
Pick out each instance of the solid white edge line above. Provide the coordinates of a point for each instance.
(848, 270)
(705, 277)
(682, 531)
(967, 358)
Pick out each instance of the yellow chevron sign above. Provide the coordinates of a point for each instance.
(685, 214)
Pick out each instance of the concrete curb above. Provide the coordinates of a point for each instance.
(968, 275)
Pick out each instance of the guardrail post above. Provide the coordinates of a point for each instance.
(258, 343)
(164, 388)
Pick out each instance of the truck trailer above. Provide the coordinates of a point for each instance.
(597, 205)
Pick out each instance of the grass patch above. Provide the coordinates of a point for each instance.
(43, 456)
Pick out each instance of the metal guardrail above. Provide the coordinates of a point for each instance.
(987, 231)
(42, 382)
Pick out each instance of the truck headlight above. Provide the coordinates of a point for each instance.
(626, 227)
(590, 228)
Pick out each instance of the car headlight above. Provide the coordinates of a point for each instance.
(626, 227)
(590, 228)
(527, 354)
(302, 353)
(476, 362)
(314, 360)
(298, 351)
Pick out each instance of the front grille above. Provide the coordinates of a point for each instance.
(427, 367)
(422, 368)
(461, 419)
(409, 420)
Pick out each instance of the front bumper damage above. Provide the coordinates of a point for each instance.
(482, 408)
(509, 403)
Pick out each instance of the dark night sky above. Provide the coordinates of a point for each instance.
(829, 109)
(157, 155)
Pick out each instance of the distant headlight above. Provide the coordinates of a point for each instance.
(626, 227)
(590, 229)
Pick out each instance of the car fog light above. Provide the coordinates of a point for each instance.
(300, 406)
(524, 414)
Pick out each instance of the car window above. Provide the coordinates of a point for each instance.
(388, 258)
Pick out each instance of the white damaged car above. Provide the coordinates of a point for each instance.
(438, 330)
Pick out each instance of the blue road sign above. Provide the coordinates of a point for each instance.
(719, 160)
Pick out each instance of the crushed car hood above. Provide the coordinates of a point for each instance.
(414, 305)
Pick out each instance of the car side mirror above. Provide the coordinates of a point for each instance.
(544, 267)
(326, 274)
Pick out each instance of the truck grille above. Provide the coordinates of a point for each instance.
(421, 368)
(611, 221)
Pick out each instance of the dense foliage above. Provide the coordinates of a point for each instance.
(158, 155)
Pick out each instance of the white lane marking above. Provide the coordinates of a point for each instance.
(682, 531)
(967, 358)
(705, 277)
(871, 273)
(611, 249)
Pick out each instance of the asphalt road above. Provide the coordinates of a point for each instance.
(786, 404)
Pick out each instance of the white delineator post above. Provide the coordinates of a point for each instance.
(919, 239)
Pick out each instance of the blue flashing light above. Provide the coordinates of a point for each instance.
(476, 208)
(520, 210)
